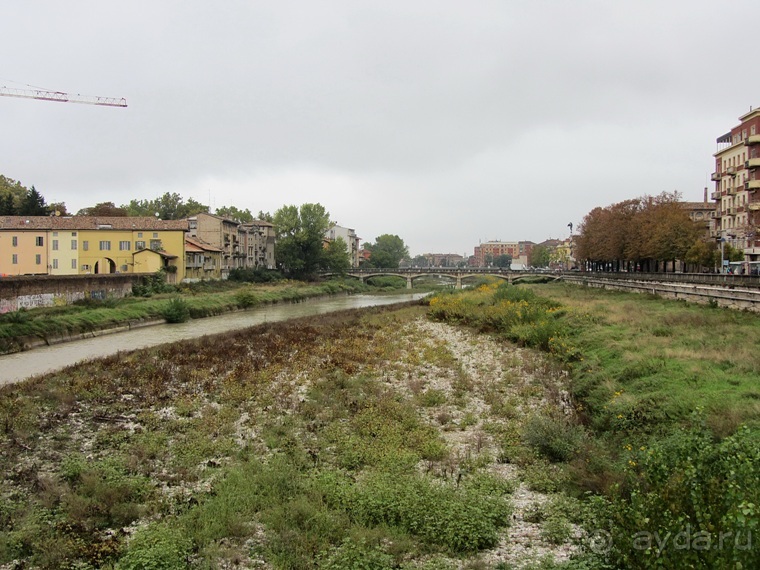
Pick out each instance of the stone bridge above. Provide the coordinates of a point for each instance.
(456, 274)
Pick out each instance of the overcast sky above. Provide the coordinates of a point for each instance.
(444, 122)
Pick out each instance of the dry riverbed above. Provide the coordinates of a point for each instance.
(166, 425)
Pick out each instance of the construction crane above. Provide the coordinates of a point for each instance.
(44, 95)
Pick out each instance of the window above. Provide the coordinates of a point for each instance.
(55, 245)
(15, 259)
(55, 234)
(85, 267)
(38, 259)
(139, 245)
(73, 234)
(73, 263)
(124, 245)
(155, 244)
(14, 240)
(73, 244)
(124, 268)
(55, 264)
(39, 241)
(85, 245)
(752, 130)
(155, 234)
(105, 246)
(139, 234)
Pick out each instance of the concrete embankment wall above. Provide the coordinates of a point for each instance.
(723, 296)
(48, 290)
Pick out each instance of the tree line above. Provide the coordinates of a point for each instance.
(300, 248)
(650, 233)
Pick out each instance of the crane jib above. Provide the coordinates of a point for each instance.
(61, 97)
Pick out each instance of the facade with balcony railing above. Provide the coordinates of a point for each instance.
(737, 180)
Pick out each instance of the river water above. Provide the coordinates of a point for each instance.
(22, 365)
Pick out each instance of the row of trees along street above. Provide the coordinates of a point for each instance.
(300, 250)
(647, 234)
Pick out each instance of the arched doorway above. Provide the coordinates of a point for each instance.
(106, 265)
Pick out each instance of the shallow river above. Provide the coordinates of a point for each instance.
(22, 365)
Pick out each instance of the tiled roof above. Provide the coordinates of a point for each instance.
(199, 245)
(90, 223)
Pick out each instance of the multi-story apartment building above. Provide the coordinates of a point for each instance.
(349, 236)
(737, 186)
(42, 245)
(259, 240)
(242, 245)
(487, 252)
(202, 260)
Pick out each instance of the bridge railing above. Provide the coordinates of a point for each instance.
(721, 279)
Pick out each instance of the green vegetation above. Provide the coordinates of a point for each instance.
(387, 251)
(382, 439)
(666, 420)
(284, 443)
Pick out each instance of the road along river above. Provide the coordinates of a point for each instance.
(21, 365)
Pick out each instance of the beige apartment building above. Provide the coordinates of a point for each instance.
(242, 245)
(737, 186)
(349, 236)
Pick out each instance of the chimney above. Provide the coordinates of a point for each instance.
(705, 194)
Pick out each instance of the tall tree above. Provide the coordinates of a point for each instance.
(33, 204)
(7, 204)
(540, 256)
(503, 260)
(233, 213)
(103, 209)
(170, 206)
(300, 233)
(17, 193)
(336, 257)
(58, 209)
(387, 251)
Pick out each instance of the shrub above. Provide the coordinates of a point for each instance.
(689, 502)
(352, 555)
(245, 298)
(157, 547)
(553, 436)
(176, 311)
(459, 520)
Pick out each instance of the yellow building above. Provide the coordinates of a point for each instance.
(91, 244)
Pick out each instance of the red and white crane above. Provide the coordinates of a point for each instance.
(45, 95)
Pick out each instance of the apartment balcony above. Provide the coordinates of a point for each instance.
(752, 163)
(752, 185)
(715, 195)
(731, 170)
(715, 176)
(731, 211)
(752, 139)
(717, 214)
(754, 206)
(731, 191)
(193, 265)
